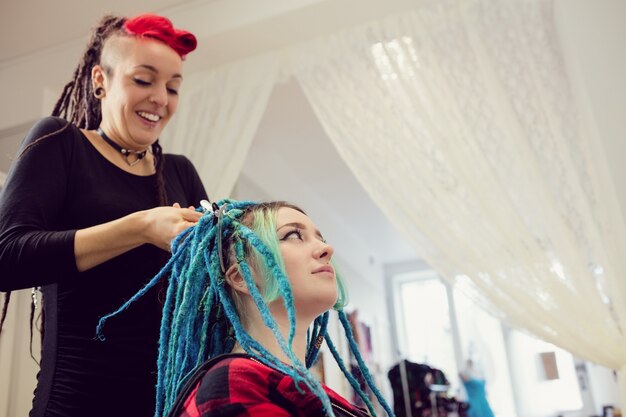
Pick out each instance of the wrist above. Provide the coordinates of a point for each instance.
(139, 226)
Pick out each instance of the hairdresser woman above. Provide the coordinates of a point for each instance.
(88, 212)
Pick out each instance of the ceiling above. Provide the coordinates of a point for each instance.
(43, 24)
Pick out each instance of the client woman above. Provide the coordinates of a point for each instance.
(246, 312)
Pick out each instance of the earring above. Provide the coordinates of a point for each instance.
(98, 93)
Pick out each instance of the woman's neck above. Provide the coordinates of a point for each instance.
(262, 334)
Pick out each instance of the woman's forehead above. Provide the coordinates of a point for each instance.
(287, 215)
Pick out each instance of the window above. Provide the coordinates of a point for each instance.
(440, 327)
(424, 327)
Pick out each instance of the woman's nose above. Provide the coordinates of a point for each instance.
(159, 97)
(324, 251)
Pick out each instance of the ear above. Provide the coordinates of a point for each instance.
(98, 77)
(235, 279)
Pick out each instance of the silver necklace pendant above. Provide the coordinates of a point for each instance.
(126, 153)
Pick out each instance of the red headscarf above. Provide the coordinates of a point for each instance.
(158, 27)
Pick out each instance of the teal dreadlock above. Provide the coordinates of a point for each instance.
(200, 316)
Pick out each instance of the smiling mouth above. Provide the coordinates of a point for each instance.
(151, 117)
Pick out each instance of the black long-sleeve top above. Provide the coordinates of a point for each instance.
(60, 185)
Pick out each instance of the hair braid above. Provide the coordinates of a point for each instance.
(159, 162)
(5, 307)
(33, 308)
(347, 327)
(77, 103)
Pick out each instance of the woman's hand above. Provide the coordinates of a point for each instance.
(163, 224)
(158, 226)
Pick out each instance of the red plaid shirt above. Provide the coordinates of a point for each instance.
(238, 385)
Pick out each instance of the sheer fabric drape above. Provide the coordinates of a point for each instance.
(219, 113)
(463, 122)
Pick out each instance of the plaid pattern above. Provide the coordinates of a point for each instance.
(238, 385)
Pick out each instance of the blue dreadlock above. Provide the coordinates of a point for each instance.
(200, 318)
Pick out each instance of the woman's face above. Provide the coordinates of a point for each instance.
(307, 262)
(141, 89)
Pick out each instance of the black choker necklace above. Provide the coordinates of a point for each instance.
(125, 152)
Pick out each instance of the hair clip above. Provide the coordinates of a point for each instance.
(206, 205)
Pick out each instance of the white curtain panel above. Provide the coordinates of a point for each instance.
(463, 123)
(217, 117)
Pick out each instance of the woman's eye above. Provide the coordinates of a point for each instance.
(294, 234)
(141, 82)
(172, 91)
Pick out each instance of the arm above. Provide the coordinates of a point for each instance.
(34, 249)
(158, 226)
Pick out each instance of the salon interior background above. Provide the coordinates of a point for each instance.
(291, 157)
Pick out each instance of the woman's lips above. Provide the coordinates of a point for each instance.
(325, 268)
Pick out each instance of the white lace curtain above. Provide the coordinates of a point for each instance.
(463, 122)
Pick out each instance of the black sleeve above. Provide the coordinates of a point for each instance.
(33, 252)
(196, 189)
(182, 182)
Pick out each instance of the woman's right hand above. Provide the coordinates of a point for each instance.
(158, 226)
(163, 224)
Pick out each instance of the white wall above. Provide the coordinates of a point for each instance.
(10, 140)
(535, 396)
(28, 84)
(603, 386)
(582, 389)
